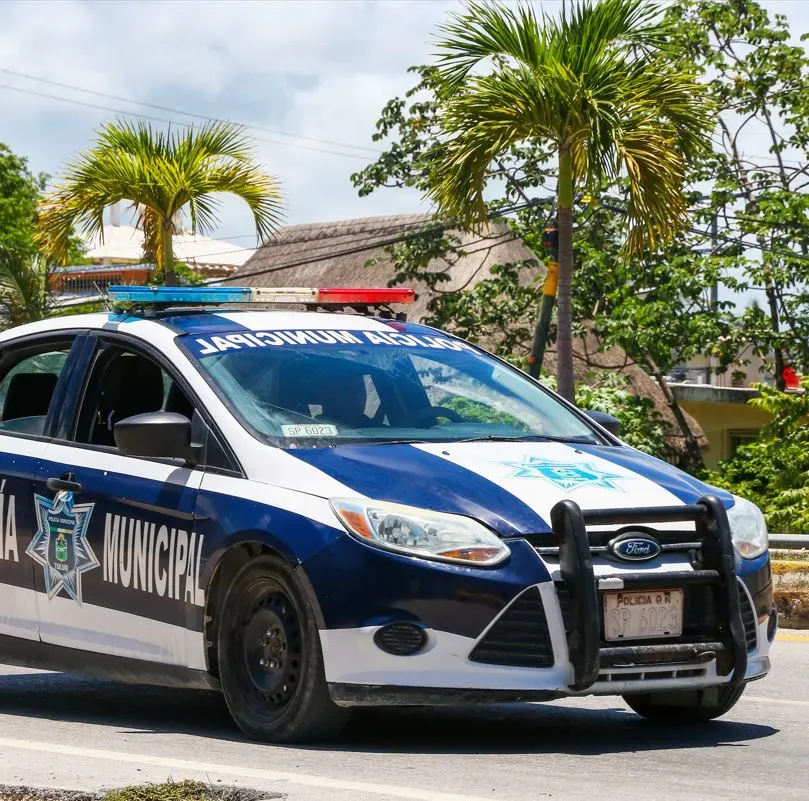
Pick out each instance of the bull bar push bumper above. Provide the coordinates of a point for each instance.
(716, 566)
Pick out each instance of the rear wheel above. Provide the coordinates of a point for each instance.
(270, 661)
(686, 706)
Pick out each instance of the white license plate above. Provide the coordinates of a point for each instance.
(641, 614)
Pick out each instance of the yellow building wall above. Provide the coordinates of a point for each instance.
(720, 421)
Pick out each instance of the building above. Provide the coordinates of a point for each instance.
(353, 253)
(116, 256)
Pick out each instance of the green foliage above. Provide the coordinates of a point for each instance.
(658, 308)
(168, 791)
(497, 312)
(472, 411)
(19, 193)
(759, 78)
(641, 424)
(161, 175)
(25, 295)
(597, 85)
(773, 471)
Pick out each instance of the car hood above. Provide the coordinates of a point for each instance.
(510, 486)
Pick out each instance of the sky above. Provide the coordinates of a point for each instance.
(311, 75)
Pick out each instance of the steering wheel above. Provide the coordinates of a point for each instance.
(433, 413)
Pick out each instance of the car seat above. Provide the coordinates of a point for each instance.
(131, 385)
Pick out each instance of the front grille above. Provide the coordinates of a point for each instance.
(652, 675)
(520, 637)
(671, 541)
(749, 620)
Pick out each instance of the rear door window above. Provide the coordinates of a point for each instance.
(27, 389)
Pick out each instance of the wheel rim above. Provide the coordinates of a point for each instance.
(272, 648)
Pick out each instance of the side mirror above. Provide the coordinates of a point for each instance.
(157, 434)
(612, 424)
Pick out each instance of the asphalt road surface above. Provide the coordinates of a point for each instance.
(68, 732)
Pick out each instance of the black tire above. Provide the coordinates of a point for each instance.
(270, 660)
(686, 706)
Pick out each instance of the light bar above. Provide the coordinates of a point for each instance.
(336, 296)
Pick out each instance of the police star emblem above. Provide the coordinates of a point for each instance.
(60, 543)
(566, 476)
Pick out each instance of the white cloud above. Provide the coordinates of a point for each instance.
(317, 69)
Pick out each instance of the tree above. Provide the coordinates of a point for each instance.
(773, 471)
(25, 295)
(658, 328)
(598, 87)
(161, 174)
(760, 82)
(19, 193)
(659, 308)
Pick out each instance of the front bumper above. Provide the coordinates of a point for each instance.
(554, 628)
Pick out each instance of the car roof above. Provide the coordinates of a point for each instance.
(198, 322)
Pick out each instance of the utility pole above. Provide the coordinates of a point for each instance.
(550, 241)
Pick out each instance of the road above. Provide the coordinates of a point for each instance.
(62, 731)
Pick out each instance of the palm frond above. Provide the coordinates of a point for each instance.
(25, 295)
(595, 84)
(485, 30)
(159, 173)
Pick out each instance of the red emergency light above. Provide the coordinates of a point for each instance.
(356, 296)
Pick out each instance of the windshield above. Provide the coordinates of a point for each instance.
(323, 388)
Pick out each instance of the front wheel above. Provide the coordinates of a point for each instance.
(686, 706)
(270, 661)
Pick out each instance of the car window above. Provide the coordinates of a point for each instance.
(26, 390)
(304, 391)
(124, 383)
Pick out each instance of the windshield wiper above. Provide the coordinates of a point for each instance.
(527, 438)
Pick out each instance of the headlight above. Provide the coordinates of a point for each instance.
(748, 528)
(420, 532)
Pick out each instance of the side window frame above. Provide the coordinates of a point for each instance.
(97, 343)
(41, 342)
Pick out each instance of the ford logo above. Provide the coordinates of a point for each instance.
(634, 547)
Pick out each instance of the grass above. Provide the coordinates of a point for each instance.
(167, 791)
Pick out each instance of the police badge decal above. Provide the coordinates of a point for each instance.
(60, 543)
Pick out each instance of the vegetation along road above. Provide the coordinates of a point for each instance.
(61, 731)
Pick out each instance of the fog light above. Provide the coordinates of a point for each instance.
(401, 639)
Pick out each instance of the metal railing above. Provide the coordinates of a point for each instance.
(792, 542)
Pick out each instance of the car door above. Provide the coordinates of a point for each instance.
(33, 372)
(119, 553)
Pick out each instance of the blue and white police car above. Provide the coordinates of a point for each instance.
(319, 509)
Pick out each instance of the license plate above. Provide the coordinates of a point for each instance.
(642, 614)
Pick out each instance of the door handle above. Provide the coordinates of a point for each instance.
(66, 483)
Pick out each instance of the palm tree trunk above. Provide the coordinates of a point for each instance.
(564, 321)
(167, 253)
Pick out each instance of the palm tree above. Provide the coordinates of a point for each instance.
(161, 174)
(596, 86)
(25, 295)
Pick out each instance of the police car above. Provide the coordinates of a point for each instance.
(323, 509)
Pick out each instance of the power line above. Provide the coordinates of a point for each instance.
(440, 226)
(309, 247)
(171, 122)
(184, 113)
(729, 240)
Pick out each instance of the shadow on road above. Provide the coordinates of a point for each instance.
(498, 729)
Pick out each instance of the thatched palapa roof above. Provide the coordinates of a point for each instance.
(337, 254)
